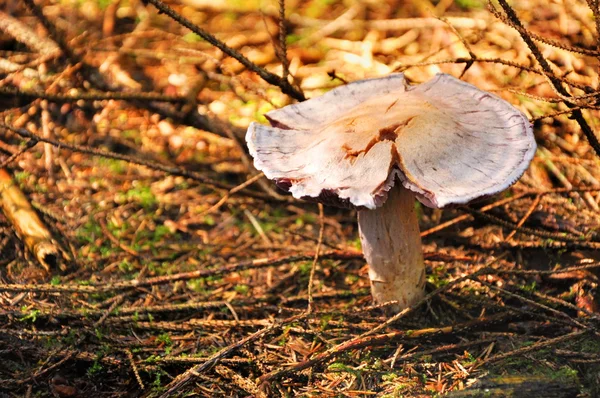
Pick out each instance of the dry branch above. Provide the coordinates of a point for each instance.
(183, 276)
(26, 222)
(267, 76)
(24, 34)
(554, 81)
(381, 339)
(91, 96)
(183, 379)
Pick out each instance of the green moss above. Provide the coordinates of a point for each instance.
(242, 289)
(317, 8)
(292, 39)
(192, 38)
(342, 367)
(470, 4)
(142, 195)
(89, 232)
(305, 268)
(22, 176)
(115, 166)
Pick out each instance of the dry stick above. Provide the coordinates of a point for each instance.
(311, 278)
(46, 132)
(98, 152)
(183, 379)
(68, 355)
(553, 115)
(241, 382)
(188, 360)
(124, 312)
(91, 96)
(445, 348)
(113, 239)
(550, 272)
(555, 82)
(560, 236)
(585, 101)
(26, 35)
(361, 339)
(585, 361)
(28, 225)
(527, 214)
(501, 202)
(28, 145)
(455, 220)
(134, 368)
(533, 347)
(462, 60)
(532, 302)
(564, 304)
(233, 190)
(109, 310)
(56, 36)
(550, 42)
(236, 267)
(465, 44)
(267, 76)
(282, 42)
(551, 100)
(378, 340)
(177, 171)
(594, 5)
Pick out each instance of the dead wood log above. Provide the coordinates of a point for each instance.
(28, 226)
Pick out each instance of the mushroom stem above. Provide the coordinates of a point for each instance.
(391, 244)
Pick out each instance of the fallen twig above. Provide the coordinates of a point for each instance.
(27, 224)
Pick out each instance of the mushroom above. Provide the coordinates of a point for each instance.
(376, 144)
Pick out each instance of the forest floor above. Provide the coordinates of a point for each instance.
(183, 272)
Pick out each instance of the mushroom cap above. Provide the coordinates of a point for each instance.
(446, 140)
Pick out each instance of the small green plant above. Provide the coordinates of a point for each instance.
(126, 267)
(356, 244)
(532, 287)
(94, 369)
(31, 316)
(197, 285)
(157, 384)
(22, 176)
(164, 339)
(242, 289)
(305, 268)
